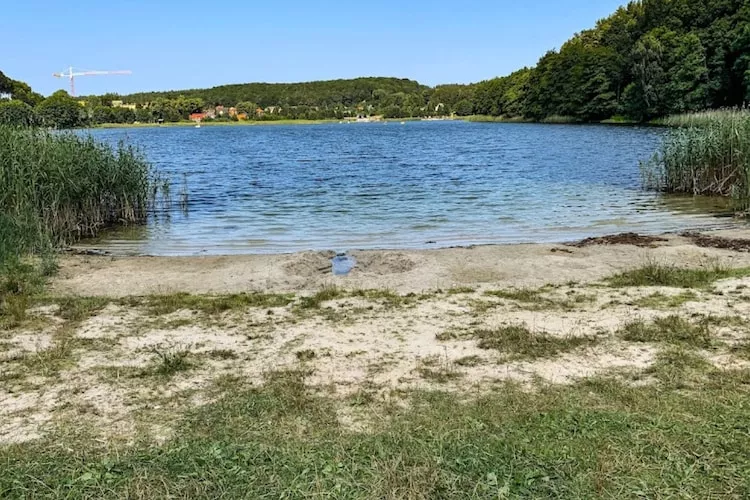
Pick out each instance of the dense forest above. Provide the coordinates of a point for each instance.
(649, 59)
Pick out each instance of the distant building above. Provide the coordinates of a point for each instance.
(241, 116)
(220, 110)
(120, 104)
(197, 117)
(232, 111)
(259, 112)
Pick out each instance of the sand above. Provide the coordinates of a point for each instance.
(397, 270)
(349, 345)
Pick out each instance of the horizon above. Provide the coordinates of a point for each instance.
(428, 43)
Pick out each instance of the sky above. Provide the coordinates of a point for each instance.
(170, 45)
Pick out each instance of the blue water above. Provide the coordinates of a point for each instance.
(268, 189)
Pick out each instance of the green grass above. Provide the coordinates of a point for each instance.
(672, 329)
(705, 154)
(326, 294)
(599, 438)
(657, 274)
(678, 368)
(160, 305)
(659, 300)
(170, 361)
(519, 342)
(534, 299)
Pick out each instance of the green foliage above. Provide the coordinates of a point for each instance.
(708, 153)
(58, 187)
(61, 111)
(16, 113)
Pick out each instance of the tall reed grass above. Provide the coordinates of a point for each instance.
(704, 154)
(58, 187)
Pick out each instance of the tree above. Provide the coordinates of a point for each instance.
(464, 107)
(247, 107)
(645, 95)
(16, 113)
(60, 111)
(102, 114)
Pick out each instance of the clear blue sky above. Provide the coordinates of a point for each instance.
(171, 44)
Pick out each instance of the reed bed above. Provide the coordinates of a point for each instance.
(58, 187)
(704, 154)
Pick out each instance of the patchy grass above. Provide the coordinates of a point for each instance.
(678, 368)
(317, 299)
(469, 361)
(660, 301)
(305, 355)
(519, 342)
(438, 369)
(672, 329)
(657, 274)
(534, 299)
(80, 308)
(170, 361)
(741, 350)
(160, 305)
(389, 298)
(222, 354)
(599, 438)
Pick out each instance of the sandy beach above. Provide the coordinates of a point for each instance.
(401, 320)
(401, 271)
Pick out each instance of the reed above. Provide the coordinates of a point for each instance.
(704, 154)
(58, 187)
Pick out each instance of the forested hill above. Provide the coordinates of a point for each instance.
(321, 94)
(648, 59)
(651, 58)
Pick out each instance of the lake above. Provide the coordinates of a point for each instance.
(277, 188)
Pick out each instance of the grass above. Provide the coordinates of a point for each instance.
(160, 305)
(170, 361)
(678, 368)
(659, 300)
(599, 438)
(705, 153)
(324, 295)
(673, 329)
(535, 300)
(519, 342)
(658, 274)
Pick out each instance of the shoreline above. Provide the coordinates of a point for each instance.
(402, 271)
(467, 119)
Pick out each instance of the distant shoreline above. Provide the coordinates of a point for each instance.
(471, 119)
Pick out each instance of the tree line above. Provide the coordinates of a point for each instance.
(650, 58)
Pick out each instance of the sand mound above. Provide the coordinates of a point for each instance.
(385, 263)
(310, 264)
